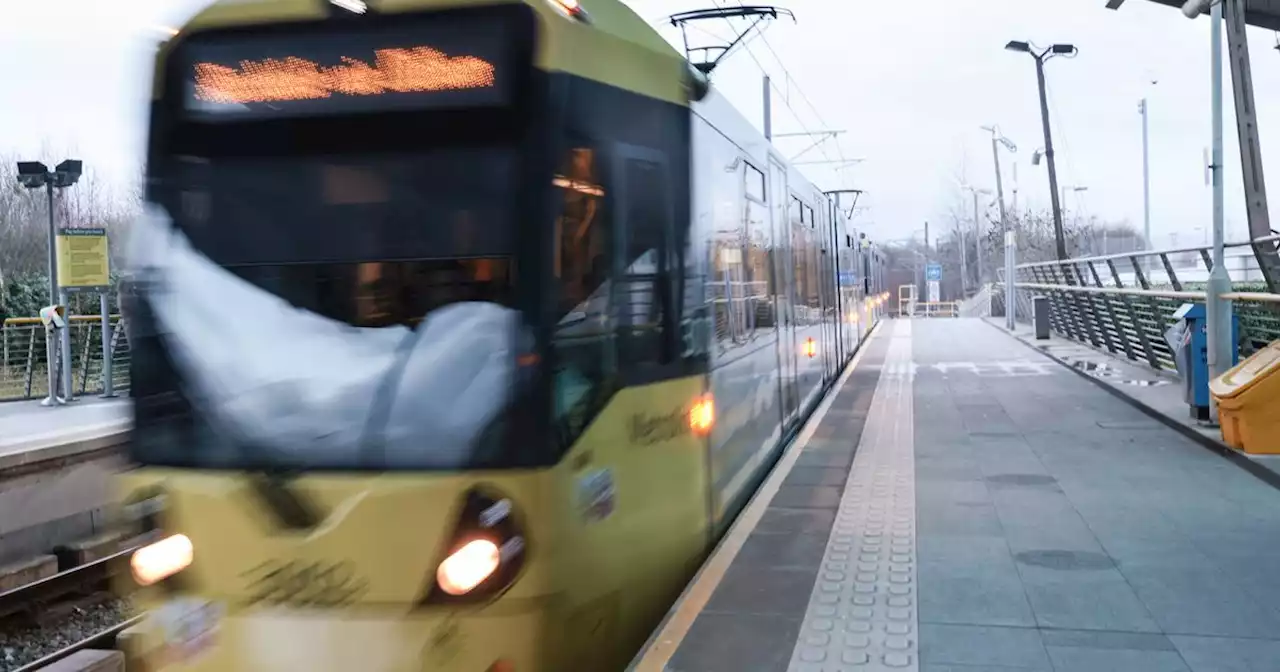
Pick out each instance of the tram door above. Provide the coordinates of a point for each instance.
(828, 286)
(784, 281)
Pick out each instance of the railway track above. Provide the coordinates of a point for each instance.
(78, 590)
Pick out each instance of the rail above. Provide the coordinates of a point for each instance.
(87, 579)
(24, 361)
(1124, 302)
(89, 576)
(102, 639)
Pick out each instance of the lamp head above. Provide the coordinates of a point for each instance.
(32, 174)
(67, 173)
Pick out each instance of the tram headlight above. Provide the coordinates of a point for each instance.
(159, 556)
(468, 566)
(156, 562)
(485, 554)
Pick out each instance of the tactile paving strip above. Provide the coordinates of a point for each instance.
(862, 614)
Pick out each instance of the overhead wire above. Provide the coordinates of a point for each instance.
(1060, 128)
(789, 81)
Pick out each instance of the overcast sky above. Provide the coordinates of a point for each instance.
(910, 82)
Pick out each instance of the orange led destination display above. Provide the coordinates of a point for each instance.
(402, 70)
(417, 65)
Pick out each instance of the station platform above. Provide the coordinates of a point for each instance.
(966, 502)
(31, 432)
(55, 468)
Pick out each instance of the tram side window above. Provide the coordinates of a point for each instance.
(644, 292)
(585, 373)
(614, 255)
(759, 245)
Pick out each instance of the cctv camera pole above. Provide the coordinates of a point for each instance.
(58, 296)
(1058, 235)
(53, 243)
(1218, 310)
(56, 342)
(1010, 252)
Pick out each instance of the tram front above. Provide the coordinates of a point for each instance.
(333, 325)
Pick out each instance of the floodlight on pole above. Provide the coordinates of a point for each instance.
(32, 174)
(35, 175)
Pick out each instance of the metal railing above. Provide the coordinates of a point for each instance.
(937, 309)
(1124, 303)
(24, 360)
(978, 305)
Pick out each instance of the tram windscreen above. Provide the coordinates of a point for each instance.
(368, 240)
(344, 312)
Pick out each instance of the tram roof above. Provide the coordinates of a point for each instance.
(1260, 13)
(624, 50)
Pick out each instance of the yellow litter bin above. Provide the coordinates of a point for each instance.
(1248, 399)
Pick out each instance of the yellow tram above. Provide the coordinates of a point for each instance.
(460, 329)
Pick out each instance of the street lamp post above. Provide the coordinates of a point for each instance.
(1010, 252)
(35, 175)
(1040, 58)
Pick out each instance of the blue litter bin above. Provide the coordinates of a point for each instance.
(1189, 340)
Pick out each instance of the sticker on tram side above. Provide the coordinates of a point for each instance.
(189, 627)
(595, 495)
(445, 643)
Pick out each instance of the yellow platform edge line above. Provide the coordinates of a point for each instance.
(671, 633)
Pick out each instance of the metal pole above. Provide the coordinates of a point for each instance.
(1006, 235)
(108, 378)
(68, 391)
(1217, 310)
(51, 347)
(1146, 182)
(1015, 188)
(58, 297)
(768, 109)
(977, 231)
(964, 260)
(1010, 260)
(1058, 234)
(53, 245)
(51, 336)
(995, 155)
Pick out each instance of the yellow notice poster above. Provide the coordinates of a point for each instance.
(82, 260)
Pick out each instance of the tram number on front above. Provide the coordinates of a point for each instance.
(310, 584)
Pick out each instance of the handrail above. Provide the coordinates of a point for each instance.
(1254, 297)
(32, 321)
(1147, 253)
(1158, 293)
